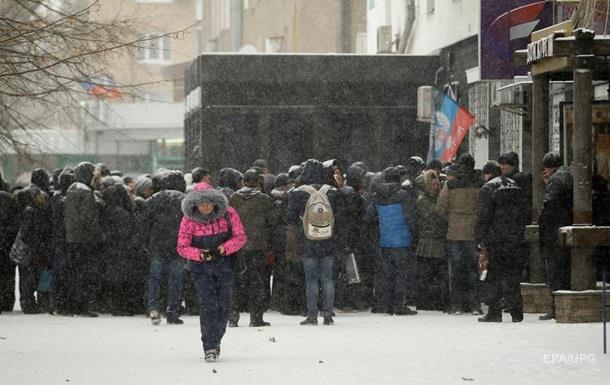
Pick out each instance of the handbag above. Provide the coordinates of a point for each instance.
(20, 251)
(45, 284)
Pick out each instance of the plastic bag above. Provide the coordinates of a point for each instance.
(352, 274)
(20, 252)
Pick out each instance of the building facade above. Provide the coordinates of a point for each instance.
(287, 26)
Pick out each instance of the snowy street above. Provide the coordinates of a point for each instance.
(361, 348)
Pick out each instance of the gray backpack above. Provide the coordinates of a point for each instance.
(318, 218)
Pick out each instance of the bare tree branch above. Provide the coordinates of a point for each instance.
(50, 51)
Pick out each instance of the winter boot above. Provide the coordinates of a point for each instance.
(211, 355)
(404, 310)
(328, 320)
(155, 317)
(309, 321)
(173, 318)
(548, 316)
(491, 318)
(256, 320)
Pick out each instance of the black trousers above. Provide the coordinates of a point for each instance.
(80, 278)
(432, 284)
(7, 282)
(504, 274)
(251, 287)
(557, 260)
(29, 276)
(294, 301)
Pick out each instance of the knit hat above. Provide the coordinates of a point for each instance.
(466, 160)
(492, 167)
(510, 158)
(551, 160)
(252, 178)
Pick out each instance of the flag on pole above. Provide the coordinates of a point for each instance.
(102, 86)
(448, 128)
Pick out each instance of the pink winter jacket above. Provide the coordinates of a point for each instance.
(190, 228)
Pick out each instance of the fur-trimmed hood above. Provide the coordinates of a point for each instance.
(193, 198)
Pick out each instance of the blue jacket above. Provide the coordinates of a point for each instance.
(394, 210)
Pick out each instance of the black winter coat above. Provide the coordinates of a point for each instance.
(500, 213)
(557, 206)
(524, 180)
(36, 233)
(9, 222)
(162, 222)
(122, 258)
(82, 215)
(280, 203)
(350, 211)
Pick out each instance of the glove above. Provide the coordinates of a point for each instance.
(209, 255)
(269, 258)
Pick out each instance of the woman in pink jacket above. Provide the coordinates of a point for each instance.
(210, 232)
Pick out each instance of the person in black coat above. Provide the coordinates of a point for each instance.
(123, 262)
(41, 179)
(499, 232)
(229, 181)
(163, 216)
(58, 234)
(556, 212)
(9, 226)
(268, 178)
(36, 233)
(84, 243)
(350, 239)
(601, 217)
(317, 255)
(288, 295)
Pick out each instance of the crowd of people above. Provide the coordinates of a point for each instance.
(434, 236)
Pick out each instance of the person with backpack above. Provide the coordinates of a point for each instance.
(499, 233)
(312, 206)
(393, 208)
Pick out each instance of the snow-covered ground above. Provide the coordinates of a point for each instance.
(361, 348)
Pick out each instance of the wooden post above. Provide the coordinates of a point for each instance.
(540, 139)
(583, 259)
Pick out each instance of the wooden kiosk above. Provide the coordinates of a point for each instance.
(558, 53)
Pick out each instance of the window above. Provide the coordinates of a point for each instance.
(273, 44)
(154, 49)
(220, 17)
